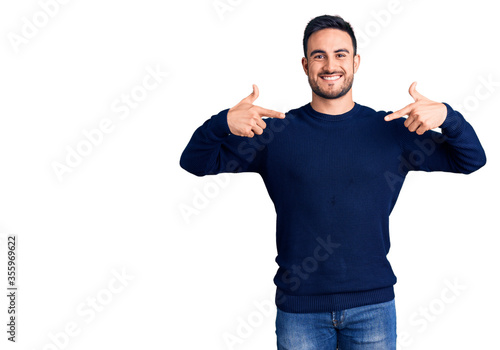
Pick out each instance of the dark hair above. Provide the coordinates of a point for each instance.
(327, 21)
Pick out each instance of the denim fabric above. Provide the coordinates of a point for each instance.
(366, 327)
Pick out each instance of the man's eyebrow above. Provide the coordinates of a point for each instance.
(322, 51)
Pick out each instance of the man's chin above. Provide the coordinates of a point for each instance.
(332, 92)
(330, 95)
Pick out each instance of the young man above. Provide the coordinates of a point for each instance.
(334, 169)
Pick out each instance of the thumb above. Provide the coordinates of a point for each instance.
(253, 96)
(414, 93)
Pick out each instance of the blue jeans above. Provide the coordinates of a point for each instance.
(366, 327)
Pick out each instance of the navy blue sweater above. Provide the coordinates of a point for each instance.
(334, 180)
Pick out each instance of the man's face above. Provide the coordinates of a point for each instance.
(331, 64)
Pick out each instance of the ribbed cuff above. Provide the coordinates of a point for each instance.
(331, 302)
(453, 123)
(218, 124)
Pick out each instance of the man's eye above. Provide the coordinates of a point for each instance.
(340, 55)
(318, 56)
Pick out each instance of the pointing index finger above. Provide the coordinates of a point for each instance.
(263, 112)
(398, 114)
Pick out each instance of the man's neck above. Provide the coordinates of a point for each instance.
(332, 106)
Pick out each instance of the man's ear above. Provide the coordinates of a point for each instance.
(305, 65)
(357, 60)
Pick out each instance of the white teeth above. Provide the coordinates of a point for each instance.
(332, 78)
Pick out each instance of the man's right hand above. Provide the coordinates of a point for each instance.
(245, 119)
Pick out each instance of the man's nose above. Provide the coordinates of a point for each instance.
(331, 65)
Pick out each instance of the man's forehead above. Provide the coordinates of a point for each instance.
(327, 38)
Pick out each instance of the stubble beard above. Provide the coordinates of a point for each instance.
(331, 95)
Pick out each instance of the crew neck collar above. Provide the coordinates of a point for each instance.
(331, 117)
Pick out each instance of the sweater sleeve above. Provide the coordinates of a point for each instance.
(456, 149)
(213, 150)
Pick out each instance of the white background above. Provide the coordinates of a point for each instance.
(197, 279)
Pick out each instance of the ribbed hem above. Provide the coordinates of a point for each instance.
(331, 302)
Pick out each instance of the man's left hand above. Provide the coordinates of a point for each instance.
(423, 114)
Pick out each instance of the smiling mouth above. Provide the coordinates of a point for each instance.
(334, 77)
